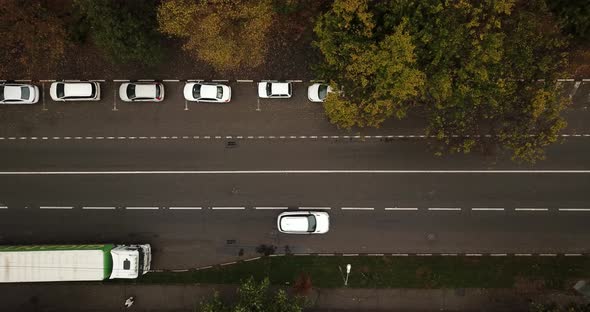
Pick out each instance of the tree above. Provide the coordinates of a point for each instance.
(377, 70)
(125, 30)
(226, 34)
(574, 16)
(256, 297)
(471, 66)
(32, 37)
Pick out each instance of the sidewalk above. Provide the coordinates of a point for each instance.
(84, 297)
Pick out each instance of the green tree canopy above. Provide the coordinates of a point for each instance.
(471, 66)
(32, 37)
(226, 34)
(377, 70)
(126, 30)
(256, 297)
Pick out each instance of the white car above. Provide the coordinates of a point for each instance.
(267, 90)
(11, 93)
(207, 92)
(141, 92)
(318, 92)
(303, 222)
(75, 91)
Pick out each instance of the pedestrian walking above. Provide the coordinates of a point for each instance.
(129, 302)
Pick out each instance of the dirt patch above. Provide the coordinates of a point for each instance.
(526, 285)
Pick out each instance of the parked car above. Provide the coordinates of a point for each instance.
(141, 92)
(269, 89)
(318, 92)
(207, 92)
(75, 91)
(303, 222)
(14, 93)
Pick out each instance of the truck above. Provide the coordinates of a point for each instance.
(61, 263)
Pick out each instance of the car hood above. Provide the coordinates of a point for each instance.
(322, 223)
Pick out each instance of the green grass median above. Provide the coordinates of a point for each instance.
(395, 272)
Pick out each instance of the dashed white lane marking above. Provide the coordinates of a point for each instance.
(315, 208)
(228, 208)
(184, 208)
(444, 209)
(142, 208)
(3, 207)
(498, 255)
(523, 254)
(261, 137)
(56, 207)
(357, 208)
(572, 254)
(531, 209)
(487, 209)
(271, 208)
(320, 171)
(574, 209)
(98, 208)
(402, 209)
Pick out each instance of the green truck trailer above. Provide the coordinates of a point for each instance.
(61, 263)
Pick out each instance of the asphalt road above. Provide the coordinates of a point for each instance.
(457, 209)
(244, 115)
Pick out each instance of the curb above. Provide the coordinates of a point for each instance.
(378, 255)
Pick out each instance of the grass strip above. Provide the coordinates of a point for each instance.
(395, 272)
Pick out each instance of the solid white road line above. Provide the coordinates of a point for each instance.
(574, 209)
(357, 208)
(445, 209)
(56, 207)
(487, 209)
(99, 208)
(315, 208)
(531, 209)
(142, 208)
(401, 209)
(326, 171)
(271, 208)
(228, 208)
(184, 208)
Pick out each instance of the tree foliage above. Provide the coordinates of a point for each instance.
(376, 70)
(226, 34)
(552, 307)
(126, 30)
(32, 37)
(255, 297)
(471, 66)
(574, 16)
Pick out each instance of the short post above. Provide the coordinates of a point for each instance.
(348, 267)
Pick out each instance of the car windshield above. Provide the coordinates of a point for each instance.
(323, 91)
(60, 90)
(131, 91)
(93, 87)
(197, 91)
(219, 92)
(2, 93)
(25, 93)
(312, 223)
(157, 91)
(268, 88)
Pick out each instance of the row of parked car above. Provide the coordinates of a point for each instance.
(13, 93)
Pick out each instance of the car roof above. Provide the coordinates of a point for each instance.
(77, 89)
(145, 90)
(296, 223)
(12, 92)
(209, 91)
(281, 88)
